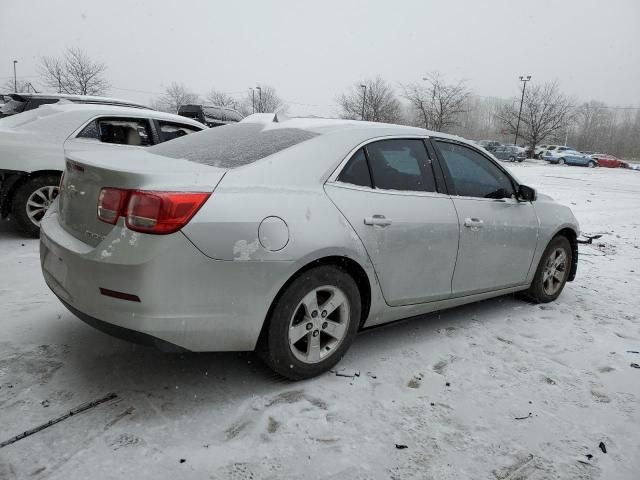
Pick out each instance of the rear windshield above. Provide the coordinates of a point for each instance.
(232, 145)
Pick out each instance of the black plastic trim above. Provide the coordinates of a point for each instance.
(124, 333)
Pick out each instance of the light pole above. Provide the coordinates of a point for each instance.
(253, 100)
(259, 98)
(15, 79)
(524, 81)
(364, 96)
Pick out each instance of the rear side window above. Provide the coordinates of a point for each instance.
(401, 164)
(232, 146)
(170, 131)
(356, 172)
(119, 131)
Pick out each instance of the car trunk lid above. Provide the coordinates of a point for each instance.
(88, 173)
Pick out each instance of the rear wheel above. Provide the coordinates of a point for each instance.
(592, 164)
(312, 324)
(561, 161)
(512, 159)
(31, 201)
(552, 273)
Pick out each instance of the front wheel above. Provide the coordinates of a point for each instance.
(512, 159)
(312, 324)
(592, 164)
(552, 273)
(561, 161)
(31, 201)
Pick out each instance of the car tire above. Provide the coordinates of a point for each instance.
(546, 285)
(512, 159)
(31, 201)
(591, 164)
(561, 161)
(295, 341)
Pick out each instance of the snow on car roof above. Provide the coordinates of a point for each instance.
(324, 125)
(78, 98)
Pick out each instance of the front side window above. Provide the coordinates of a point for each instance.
(120, 131)
(169, 130)
(401, 164)
(474, 175)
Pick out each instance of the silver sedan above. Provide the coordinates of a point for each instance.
(288, 236)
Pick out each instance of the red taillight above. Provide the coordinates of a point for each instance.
(111, 203)
(150, 211)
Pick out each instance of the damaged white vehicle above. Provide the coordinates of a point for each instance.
(33, 145)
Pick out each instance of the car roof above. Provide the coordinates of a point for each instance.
(102, 109)
(61, 119)
(327, 125)
(77, 98)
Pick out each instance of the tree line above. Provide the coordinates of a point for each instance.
(548, 115)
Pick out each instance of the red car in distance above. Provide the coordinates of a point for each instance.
(609, 161)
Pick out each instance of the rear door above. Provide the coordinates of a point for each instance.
(498, 233)
(388, 193)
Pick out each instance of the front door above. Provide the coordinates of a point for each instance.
(388, 194)
(498, 233)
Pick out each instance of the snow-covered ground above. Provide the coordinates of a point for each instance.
(449, 386)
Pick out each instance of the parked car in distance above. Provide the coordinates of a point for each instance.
(23, 102)
(33, 145)
(556, 150)
(288, 237)
(210, 115)
(609, 161)
(564, 155)
(539, 151)
(489, 145)
(510, 153)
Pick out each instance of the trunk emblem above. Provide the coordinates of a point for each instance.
(93, 235)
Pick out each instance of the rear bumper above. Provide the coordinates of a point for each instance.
(186, 299)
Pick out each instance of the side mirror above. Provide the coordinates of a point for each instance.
(526, 194)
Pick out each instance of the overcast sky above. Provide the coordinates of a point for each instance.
(311, 51)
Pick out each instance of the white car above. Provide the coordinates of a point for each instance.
(555, 151)
(33, 146)
(539, 151)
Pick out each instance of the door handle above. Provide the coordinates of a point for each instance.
(379, 220)
(473, 222)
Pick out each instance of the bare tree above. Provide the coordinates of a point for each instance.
(375, 103)
(545, 112)
(221, 99)
(74, 73)
(263, 99)
(437, 105)
(174, 96)
(23, 87)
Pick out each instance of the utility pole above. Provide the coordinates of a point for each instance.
(524, 81)
(260, 107)
(253, 100)
(15, 78)
(364, 96)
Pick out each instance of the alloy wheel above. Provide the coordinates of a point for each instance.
(39, 202)
(555, 271)
(319, 324)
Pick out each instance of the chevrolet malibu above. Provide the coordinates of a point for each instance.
(288, 236)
